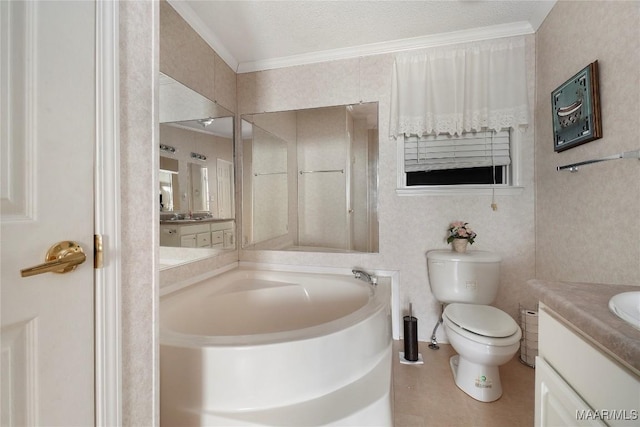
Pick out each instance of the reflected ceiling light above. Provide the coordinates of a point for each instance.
(198, 156)
(206, 122)
(167, 148)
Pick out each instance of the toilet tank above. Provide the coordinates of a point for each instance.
(471, 277)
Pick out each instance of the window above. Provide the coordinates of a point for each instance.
(451, 164)
(461, 90)
(464, 176)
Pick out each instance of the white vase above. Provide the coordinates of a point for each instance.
(460, 245)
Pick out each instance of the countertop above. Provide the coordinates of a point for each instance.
(193, 221)
(586, 307)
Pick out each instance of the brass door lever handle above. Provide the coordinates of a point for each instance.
(62, 257)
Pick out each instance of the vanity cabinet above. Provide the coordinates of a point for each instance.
(223, 233)
(577, 382)
(202, 235)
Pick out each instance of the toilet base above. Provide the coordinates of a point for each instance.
(479, 381)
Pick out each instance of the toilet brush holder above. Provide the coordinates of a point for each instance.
(410, 337)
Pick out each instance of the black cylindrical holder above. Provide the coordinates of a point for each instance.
(410, 338)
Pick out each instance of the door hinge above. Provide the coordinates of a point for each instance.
(98, 254)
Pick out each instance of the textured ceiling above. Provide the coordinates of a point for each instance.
(256, 32)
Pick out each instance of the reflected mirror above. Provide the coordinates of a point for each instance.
(196, 195)
(169, 185)
(310, 179)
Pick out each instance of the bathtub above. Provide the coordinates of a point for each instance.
(259, 347)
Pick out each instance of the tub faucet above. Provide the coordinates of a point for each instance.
(363, 275)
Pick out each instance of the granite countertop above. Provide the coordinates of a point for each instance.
(586, 306)
(193, 221)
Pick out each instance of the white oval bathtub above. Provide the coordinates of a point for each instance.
(268, 347)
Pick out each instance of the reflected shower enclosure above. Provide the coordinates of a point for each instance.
(310, 179)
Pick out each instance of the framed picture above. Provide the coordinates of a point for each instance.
(576, 110)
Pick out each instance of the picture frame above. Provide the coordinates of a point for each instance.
(575, 106)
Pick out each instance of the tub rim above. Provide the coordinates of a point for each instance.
(379, 299)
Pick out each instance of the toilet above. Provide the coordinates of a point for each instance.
(483, 336)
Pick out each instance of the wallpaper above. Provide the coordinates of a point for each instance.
(587, 223)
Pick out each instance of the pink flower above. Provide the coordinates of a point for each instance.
(460, 230)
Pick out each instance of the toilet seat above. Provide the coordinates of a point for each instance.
(482, 323)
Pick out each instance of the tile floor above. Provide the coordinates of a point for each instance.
(425, 395)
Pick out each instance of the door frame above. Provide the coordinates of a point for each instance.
(107, 279)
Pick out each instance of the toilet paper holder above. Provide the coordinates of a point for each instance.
(529, 340)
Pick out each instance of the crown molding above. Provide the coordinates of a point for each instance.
(430, 41)
(435, 40)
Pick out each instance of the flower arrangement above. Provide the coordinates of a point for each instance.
(461, 230)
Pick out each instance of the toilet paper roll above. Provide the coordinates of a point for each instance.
(530, 317)
(529, 321)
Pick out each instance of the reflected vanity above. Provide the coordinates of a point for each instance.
(196, 195)
(310, 179)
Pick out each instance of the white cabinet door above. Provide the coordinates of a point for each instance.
(608, 387)
(203, 240)
(217, 237)
(557, 404)
(188, 241)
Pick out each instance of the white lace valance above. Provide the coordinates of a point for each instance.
(456, 90)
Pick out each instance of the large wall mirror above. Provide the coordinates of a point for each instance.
(310, 179)
(196, 194)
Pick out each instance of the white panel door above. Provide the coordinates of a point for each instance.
(225, 189)
(47, 137)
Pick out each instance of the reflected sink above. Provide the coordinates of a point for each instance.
(627, 307)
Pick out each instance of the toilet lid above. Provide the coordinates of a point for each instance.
(481, 319)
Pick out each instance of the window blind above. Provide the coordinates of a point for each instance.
(469, 150)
